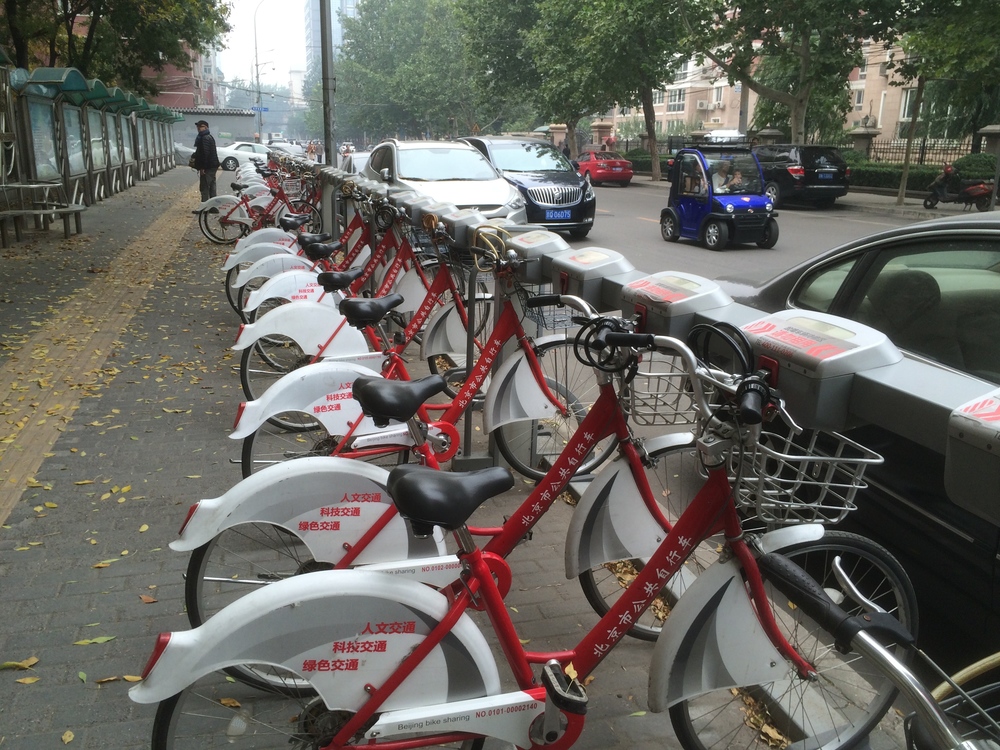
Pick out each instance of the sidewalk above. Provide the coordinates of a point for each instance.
(118, 392)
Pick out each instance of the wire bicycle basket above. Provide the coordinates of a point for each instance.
(810, 478)
(660, 392)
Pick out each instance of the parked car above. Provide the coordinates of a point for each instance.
(934, 289)
(449, 172)
(716, 198)
(280, 144)
(817, 174)
(355, 161)
(234, 155)
(605, 166)
(556, 196)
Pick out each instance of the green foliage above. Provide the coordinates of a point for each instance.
(853, 157)
(881, 175)
(114, 41)
(977, 166)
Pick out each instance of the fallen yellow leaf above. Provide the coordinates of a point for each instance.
(28, 680)
(26, 664)
(147, 599)
(143, 528)
(230, 702)
(132, 678)
(67, 737)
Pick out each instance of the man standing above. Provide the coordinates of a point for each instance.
(206, 160)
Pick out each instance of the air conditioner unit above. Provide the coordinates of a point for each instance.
(716, 120)
(883, 70)
(703, 104)
(720, 105)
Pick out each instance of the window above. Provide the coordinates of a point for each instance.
(693, 180)
(909, 99)
(675, 100)
(658, 97)
(717, 94)
(859, 99)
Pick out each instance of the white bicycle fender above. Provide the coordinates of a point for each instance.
(413, 290)
(261, 201)
(445, 333)
(323, 390)
(514, 394)
(292, 285)
(216, 202)
(712, 641)
(341, 630)
(611, 522)
(308, 324)
(265, 234)
(272, 265)
(253, 253)
(327, 503)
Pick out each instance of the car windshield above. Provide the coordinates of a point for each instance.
(443, 163)
(736, 173)
(528, 157)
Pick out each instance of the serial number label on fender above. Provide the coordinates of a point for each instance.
(516, 709)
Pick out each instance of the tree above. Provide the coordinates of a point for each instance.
(632, 47)
(571, 88)
(817, 39)
(829, 103)
(114, 41)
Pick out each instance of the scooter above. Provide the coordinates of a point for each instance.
(972, 193)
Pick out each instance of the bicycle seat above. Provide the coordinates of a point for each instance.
(383, 399)
(335, 281)
(239, 187)
(291, 222)
(305, 240)
(427, 497)
(320, 251)
(362, 312)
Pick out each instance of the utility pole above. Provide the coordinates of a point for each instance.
(329, 82)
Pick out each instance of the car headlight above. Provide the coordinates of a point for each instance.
(730, 208)
(588, 193)
(769, 206)
(516, 201)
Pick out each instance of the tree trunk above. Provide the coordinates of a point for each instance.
(571, 123)
(910, 133)
(649, 116)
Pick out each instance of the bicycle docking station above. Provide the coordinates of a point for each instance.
(834, 373)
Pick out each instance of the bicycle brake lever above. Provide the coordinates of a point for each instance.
(852, 590)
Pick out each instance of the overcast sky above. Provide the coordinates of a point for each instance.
(280, 40)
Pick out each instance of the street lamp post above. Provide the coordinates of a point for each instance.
(256, 67)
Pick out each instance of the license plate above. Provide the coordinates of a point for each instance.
(825, 176)
(557, 214)
(616, 169)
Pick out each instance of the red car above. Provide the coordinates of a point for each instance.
(605, 166)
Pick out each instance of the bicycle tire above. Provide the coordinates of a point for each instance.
(844, 705)
(238, 560)
(259, 370)
(532, 446)
(216, 231)
(674, 480)
(315, 224)
(219, 712)
(232, 294)
(270, 444)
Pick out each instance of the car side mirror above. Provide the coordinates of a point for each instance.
(575, 164)
(385, 175)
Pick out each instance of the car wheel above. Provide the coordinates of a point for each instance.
(715, 235)
(230, 164)
(983, 203)
(930, 201)
(773, 192)
(770, 237)
(579, 234)
(668, 227)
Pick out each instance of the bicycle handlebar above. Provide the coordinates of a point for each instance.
(863, 634)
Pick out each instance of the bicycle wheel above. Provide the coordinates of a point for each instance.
(674, 480)
(232, 293)
(270, 444)
(532, 446)
(239, 560)
(315, 225)
(219, 227)
(215, 712)
(846, 702)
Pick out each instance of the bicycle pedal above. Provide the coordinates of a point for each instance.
(562, 696)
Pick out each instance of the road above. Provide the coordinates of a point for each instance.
(628, 221)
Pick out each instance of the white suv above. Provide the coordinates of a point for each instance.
(449, 172)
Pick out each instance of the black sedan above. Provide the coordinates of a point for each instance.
(934, 289)
(556, 196)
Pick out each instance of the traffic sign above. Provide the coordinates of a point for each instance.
(258, 109)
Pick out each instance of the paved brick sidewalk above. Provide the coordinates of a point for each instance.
(138, 382)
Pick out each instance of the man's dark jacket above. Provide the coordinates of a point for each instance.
(205, 155)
